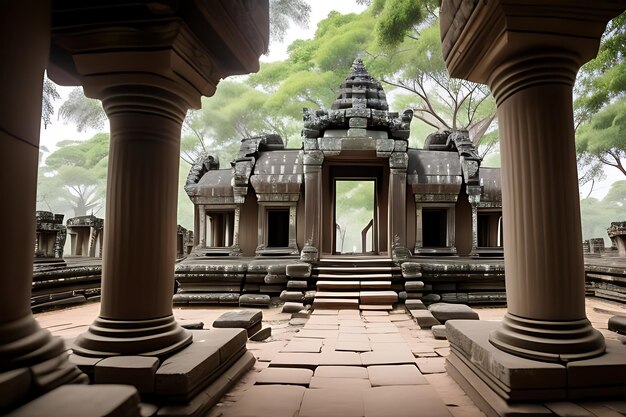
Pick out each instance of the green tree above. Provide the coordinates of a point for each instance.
(49, 95)
(73, 177)
(599, 106)
(83, 112)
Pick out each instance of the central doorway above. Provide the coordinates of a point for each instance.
(355, 216)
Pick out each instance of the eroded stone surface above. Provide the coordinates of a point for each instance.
(446, 311)
(243, 319)
(84, 400)
(138, 371)
(332, 402)
(291, 376)
(381, 375)
(262, 400)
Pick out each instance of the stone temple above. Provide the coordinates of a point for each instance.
(355, 354)
(277, 206)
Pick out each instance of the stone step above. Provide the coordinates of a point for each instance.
(337, 294)
(376, 307)
(376, 285)
(361, 269)
(378, 297)
(338, 285)
(336, 303)
(354, 277)
(353, 285)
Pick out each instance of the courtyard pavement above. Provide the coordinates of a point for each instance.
(337, 363)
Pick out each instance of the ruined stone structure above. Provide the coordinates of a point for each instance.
(617, 233)
(149, 62)
(86, 234)
(50, 235)
(184, 241)
(545, 349)
(280, 205)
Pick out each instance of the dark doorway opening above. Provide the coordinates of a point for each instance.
(435, 228)
(489, 229)
(277, 228)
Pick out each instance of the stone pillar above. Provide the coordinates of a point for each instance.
(312, 204)
(529, 55)
(474, 230)
(397, 210)
(202, 229)
(25, 31)
(145, 115)
(545, 277)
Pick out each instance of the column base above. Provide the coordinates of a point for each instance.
(156, 337)
(504, 384)
(33, 362)
(550, 341)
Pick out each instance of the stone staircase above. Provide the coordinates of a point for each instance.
(357, 282)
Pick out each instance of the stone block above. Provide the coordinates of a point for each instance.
(186, 372)
(303, 346)
(439, 331)
(262, 334)
(299, 270)
(242, 319)
(254, 300)
(444, 312)
(273, 279)
(296, 296)
(14, 386)
(618, 324)
(424, 318)
(341, 372)
(332, 402)
(512, 376)
(277, 269)
(286, 376)
(297, 285)
(404, 401)
(292, 307)
(84, 400)
(138, 371)
(428, 299)
(414, 305)
(603, 371)
(267, 400)
(387, 357)
(414, 285)
(382, 375)
(209, 396)
(411, 270)
(339, 383)
(191, 324)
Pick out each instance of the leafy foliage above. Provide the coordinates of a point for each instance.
(73, 178)
(50, 94)
(85, 113)
(283, 13)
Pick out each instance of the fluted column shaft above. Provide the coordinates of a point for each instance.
(25, 34)
(140, 229)
(542, 230)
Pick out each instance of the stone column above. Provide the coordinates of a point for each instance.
(25, 31)
(145, 115)
(474, 230)
(398, 162)
(529, 53)
(312, 204)
(545, 277)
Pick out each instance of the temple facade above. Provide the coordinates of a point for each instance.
(287, 202)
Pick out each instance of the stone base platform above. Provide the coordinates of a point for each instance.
(502, 384)
(187, 383)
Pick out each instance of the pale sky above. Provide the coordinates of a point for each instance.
(320, 9)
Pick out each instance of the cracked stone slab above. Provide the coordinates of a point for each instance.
(341, 372)
(287, 376)
(381, 375)
(387, 357)
(254, 402)
(319, 382)
(403, 401)
(332, 402)
(303, 346)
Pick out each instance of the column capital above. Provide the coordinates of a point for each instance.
(187, 44)
(479, 37)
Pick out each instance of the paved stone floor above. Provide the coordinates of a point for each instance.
(337, 363)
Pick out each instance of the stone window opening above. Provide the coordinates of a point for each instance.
(435, 227)
(489, 229)
(277, 227)
(220, 228)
